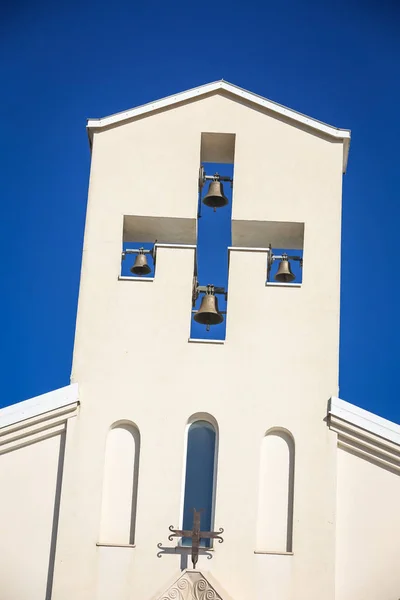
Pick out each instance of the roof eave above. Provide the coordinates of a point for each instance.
(39, 405)
(344, 135)
(364, 420)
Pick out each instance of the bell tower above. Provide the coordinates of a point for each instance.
(170, 422)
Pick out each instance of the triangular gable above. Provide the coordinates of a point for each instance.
(193, 585)
(235, 92)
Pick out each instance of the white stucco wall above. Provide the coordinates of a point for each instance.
(277, 368)
(28, 479)
(368, 525)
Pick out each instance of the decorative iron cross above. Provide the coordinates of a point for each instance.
(196, 535)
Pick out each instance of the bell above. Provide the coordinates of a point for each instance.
(141, 267)
(284, 273)
(208, 313)
(215, 197)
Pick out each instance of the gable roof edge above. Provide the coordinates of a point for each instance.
(365, 420)
(339, 134)
(39, 405)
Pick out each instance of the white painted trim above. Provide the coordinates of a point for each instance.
(39, 405)
(200, 341)
(185, 246)
(274, 552)
(356, 446)
(365, 420)
(133, 278)
(106, 545)
(247, 249)
(278, 284)
(339, 134)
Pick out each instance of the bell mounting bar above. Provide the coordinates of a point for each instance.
(211, 289)
(206, 289)
(141, 250)
(216, 177)
(284, 256)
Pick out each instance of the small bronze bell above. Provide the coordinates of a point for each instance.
(208, 313)
(284, 273)
(141, 267)
(215, 197)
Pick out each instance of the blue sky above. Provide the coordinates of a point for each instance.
(63, 62)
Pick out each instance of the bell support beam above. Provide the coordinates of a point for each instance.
(206, 289)
(216, 177)
(285, 256)
(137, 251)
(217, 290)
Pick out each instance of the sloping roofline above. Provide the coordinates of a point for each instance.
(364, 434)
(368, 421)
(39, 405)
(215, 86)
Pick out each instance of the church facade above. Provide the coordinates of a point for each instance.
(298, 490)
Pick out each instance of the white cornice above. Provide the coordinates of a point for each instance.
(39, 405)
(365, 420)
(365, 433)
(37, 418)
(236, 91)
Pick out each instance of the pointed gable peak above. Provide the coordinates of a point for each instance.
(235, 92)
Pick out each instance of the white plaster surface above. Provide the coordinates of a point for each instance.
(274, 509)
(28, 478)
(119, 489)
(368, 525)
(278, 366)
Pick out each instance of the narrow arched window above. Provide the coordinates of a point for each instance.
(200, 475)
(120, 482)
(276, 489)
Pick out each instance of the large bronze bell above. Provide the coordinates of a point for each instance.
(284, 273)
(208, 313)
(141, 267)
(215, 197)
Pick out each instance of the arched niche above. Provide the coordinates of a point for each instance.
(120, 484)
(276, 490)
(201, 454)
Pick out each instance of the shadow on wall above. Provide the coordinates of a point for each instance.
(56, 515)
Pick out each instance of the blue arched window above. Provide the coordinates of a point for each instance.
(200, 476)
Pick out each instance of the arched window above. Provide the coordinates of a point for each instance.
(200, 475)
(276, 487)
(121, 469)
